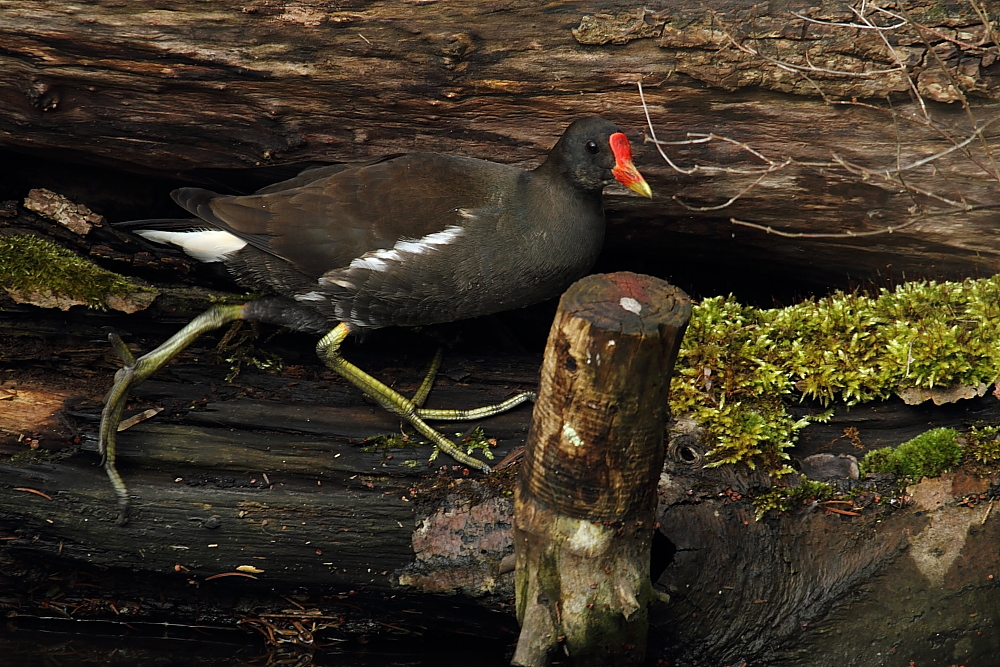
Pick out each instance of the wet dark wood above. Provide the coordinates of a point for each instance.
(267, 471)
(819, 588)
(843, 575)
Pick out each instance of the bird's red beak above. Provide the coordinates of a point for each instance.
(624, 171)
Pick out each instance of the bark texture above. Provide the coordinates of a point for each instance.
(586, 492)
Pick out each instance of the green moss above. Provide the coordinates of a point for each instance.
(790, 498)
(740, 367)
(386, 442)
(470, 441)
(927, 455)
(31, 265)
(238, 348)
(983, 443)
(477, 440)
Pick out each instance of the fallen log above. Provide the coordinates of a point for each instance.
(801, 85)
(251, 470)
(158, 94)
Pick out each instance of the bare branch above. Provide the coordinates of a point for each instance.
(867, 173)
(936, 156)
(960, 142)
(810, 235)
(652, 133)
(981, 13)
(994, 172)
(737, 195)
(899, 61)
(938, 33)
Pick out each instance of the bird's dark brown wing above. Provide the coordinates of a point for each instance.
(341, 213)
(318, 172)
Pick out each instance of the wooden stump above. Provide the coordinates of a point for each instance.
(586, 496)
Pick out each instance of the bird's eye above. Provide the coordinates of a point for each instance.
(592, 147)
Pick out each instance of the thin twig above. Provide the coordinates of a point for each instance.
(822, 235)
(864, 171)
(792, 67)
(899, 61)
(994, 172)
(34, 491)
(938, 33)
(891, 175)
(652, 133)
(737, 195)
(856, 26)
(987, 26)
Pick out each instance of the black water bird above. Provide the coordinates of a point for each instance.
(403, 240)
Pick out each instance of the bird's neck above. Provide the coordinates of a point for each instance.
(573, 218)
(552, 177)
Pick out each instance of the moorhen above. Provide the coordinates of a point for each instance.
(403, 240)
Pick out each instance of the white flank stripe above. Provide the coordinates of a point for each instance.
(368, 262)
(377, 259)
(206, 245)
(310, 296)
(445, 236)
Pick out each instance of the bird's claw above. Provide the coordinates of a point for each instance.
(122, 349)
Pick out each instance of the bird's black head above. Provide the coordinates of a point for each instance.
(594, 153)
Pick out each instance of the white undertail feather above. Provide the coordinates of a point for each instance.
(205, 245)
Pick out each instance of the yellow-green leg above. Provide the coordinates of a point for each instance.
(425, 387)
(134, 372)
(460, 415)
(328, 350)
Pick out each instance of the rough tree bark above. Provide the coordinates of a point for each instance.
(586, 494)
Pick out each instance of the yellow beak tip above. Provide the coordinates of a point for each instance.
(642, 187)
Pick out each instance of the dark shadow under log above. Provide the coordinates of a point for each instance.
(586, 495)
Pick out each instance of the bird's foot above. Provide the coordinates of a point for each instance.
(135, 371)
(111, 417)
(328, 349)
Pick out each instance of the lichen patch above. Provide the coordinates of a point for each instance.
(619, 28)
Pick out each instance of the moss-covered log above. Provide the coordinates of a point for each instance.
(585, 497)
